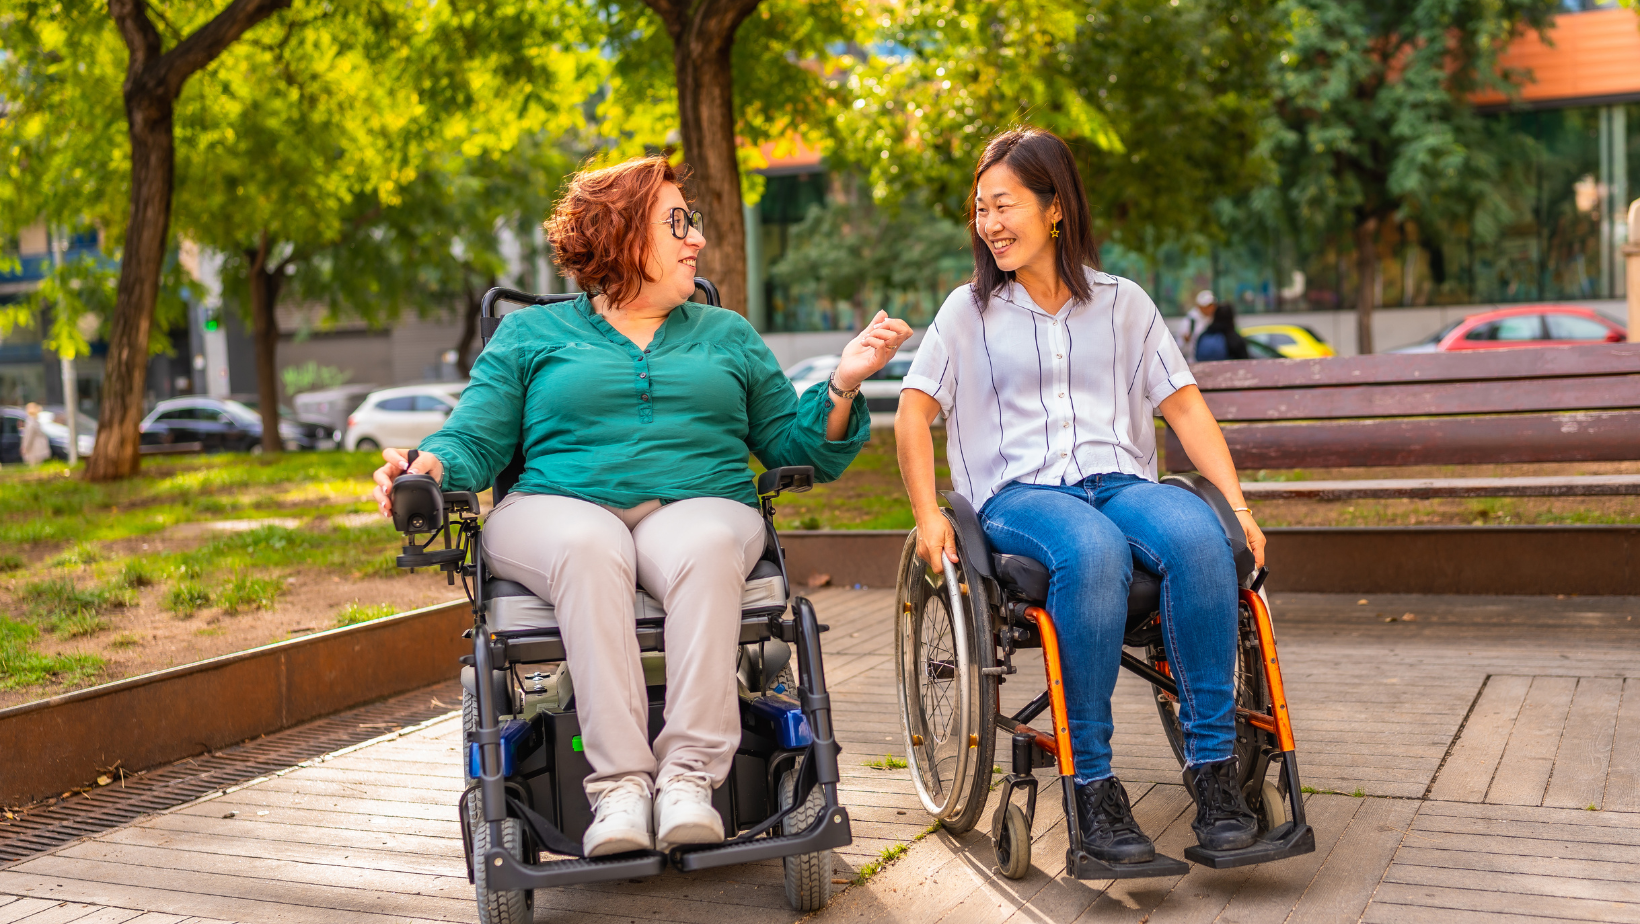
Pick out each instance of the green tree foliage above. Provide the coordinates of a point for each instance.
(1374, 118)
(855, 250)
(1161, 101)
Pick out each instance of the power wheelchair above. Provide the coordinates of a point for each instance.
(956, 632)
(522, 753)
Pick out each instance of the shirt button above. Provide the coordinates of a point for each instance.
(1066, 423)
(645, 375)
(1061, 394)
(1059, 355)
(1063, 455)
(646, 398)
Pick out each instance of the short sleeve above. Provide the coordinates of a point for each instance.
(931, 371)
(1162, 366)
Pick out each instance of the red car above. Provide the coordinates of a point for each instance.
(1526, 326)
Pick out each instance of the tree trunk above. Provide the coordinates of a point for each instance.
(153, 78)
(116, 454)
(265, 284)
(702, 42)
(1366, 271)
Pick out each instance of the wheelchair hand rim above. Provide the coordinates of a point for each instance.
(949, 804)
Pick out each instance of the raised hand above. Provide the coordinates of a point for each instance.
(871, 349)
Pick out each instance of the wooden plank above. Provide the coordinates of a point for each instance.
(1414, 854)
(109, 916)
(1434, 902)
(1424, 399)
(1529, 757)
(1592, 436)
(22, 908)
(1403, 914)
(1469, 768)
(1270, 891)
(1584, 757)
(63, 913)
(1623, 779)
(1420, 488)
(1594, 359)
(1340, 891)
(1517, 883)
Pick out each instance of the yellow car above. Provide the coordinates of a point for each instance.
(1289, 340)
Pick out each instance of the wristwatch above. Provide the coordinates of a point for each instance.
(831, 384)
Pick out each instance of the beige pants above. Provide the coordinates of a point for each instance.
(586, 559)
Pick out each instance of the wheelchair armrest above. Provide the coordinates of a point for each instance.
(794, 478)
(969, 534)
(1204, 489)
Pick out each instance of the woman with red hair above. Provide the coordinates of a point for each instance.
(636, 408)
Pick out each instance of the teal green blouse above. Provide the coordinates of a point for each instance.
(601, 420)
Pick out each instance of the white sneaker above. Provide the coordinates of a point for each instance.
(684, 812)
(620, 821)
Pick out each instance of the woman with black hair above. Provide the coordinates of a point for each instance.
(1221, 340)
(1050, 373)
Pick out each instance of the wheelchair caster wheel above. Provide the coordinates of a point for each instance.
(1272, 808)
(1012, 838)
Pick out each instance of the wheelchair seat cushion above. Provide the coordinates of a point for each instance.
(1028, 578)
(515, 608)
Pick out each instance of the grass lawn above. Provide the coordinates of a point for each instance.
(197, 557)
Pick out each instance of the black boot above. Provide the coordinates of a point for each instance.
(1109, 832)
(1223, 820)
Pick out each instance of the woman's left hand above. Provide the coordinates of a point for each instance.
(1255, 537)
(871, 350)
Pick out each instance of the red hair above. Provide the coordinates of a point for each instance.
(600, 228)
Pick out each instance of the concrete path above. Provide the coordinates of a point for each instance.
(1476, 760)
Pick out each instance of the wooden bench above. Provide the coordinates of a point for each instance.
(1551, 404)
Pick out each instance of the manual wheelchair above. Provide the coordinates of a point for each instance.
(522, 753)
(956, 632)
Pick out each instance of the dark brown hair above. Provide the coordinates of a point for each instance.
(1043, 162)
(600, 228)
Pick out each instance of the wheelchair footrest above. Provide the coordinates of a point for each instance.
(1083, 865)
(828, 831)
(511, 874)
(1289, 840)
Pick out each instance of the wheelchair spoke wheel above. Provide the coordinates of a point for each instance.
(946, 702)
(1253, 745)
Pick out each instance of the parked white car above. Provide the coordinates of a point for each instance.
(882, 391)
(401, 416)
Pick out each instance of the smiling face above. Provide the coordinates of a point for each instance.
(1011, 222)
(670, 270)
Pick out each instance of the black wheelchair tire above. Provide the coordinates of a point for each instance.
(1012, 841)
(1253, 745)
(921, 590)
(496, 907)
(808, 875)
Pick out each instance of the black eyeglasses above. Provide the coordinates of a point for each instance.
(682, 220)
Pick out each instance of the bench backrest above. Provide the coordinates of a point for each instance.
(1548, 404)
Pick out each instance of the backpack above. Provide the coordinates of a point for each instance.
(1212, 346)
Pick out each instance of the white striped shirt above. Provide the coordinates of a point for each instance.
(1048, 399)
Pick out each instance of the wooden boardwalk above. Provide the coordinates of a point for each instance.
(1478, 735)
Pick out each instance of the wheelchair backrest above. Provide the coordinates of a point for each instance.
(489, 320)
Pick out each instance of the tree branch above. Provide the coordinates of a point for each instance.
(201, 48)
(141, 38)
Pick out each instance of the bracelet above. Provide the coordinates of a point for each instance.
(1240, 510)
(831, 384)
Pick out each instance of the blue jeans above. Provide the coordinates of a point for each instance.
(1090, 535)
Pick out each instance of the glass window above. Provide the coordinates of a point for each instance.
(1278, 340)
(430, 403)
(181, 413)
(1573, 327)
(9, 426)
(1518, 328)
(403, 403)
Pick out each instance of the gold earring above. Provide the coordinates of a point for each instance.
(1055, 231)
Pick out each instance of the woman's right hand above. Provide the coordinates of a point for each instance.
(397, 464)
(934, 538)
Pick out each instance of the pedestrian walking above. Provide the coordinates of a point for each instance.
(36, 448)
